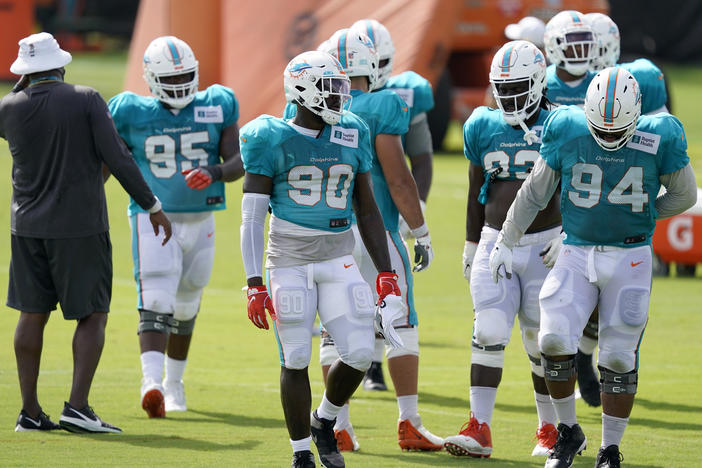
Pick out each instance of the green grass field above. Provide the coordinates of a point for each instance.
(235, 417)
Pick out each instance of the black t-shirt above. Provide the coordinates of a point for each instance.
(59, 136)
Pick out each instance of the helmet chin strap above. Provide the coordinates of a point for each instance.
(529, 135)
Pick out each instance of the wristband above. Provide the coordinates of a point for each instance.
(421, 231)
(215, 171)
(156, 207)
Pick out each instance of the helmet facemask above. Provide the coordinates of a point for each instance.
(578, 49)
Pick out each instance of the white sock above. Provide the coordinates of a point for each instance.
(342, 419)
(152, 365)
(545, 410)
(482, 403)
(301, 444)
(612, 430)
(587, 345)
(175, 369)
(408, 405)
(328, 410)
(379, 350)
(565, 409)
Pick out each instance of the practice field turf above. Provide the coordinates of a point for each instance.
(234, 415)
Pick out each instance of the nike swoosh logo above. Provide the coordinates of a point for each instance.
(633, 264)
(84, 417)
(210, 234)
(243, 139)
(348, 266)
(36, 423)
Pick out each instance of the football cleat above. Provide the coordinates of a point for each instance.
(609, 457)
(546, 437)
(374, 380)
(84, 421)
(41, 423)
(174, 395)
(152, 399)
(323, 437)
(303, 459)
(346, 439)
(588, 382)
(571, 441)
(412, 435)
(474, 440)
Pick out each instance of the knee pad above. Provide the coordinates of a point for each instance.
(153, 322)
(558, 371)
(327, 350)
(616, 383)
(617, 361)
(157, 300)
(187, 307)
(410, 340)
(360, 359)
(182, 327)
(555, 345)
(484, 357)
(530, 340)
(296, 356)
(199, 271)
(491, 328)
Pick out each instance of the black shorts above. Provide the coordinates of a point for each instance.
(76, 272)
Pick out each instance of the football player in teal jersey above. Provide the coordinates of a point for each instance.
(395, 191)
(185, 142)
(502, 145)
(313, 170)
(611, 163)
(570, 48)
(417, 93)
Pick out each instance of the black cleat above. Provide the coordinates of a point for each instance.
(323, 437)
(303, 459)
(588, 382)
(84, 421)
(40, 423)
(571, 441)
(609, 457)
(374, 380)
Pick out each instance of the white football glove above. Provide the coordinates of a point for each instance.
(404, 228)
(390, 308)
(468, 254)
(551, 250)
(501, 255)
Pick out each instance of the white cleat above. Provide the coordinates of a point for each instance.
(175, 395)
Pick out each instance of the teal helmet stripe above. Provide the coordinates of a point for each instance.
(505, 59)
(575, 16)
(341, 50)
(369, 30)
(174, 52)
(609, 100)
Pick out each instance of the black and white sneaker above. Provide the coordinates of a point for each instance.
(588, 381)
(609, 457)
(571, 441)
(25, 423)
(374, 381)
(84, 420)
(323, 437)
(303, 459)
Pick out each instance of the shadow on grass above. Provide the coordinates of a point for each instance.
(232, 419)
(657, 405)
(168, 442)
(438, 459)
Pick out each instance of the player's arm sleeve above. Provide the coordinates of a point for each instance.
(681, 192)
(254, 207)
(532, 197)
(114, 153)
(418, 138)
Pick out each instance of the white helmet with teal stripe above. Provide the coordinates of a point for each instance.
(612, 107)
(356, 54)
(380, 36)
(171, 71)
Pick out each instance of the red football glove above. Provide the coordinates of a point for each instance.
(385, 284)
(198, 178)
(259, 301)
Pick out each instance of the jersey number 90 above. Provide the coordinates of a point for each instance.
(308, 182)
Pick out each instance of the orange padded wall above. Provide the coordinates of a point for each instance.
(17, 20)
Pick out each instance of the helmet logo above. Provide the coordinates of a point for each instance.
(297, 69)
(506, 65)
(610, 98)
(175, 55)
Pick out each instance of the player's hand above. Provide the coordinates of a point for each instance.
(423, 253)
(468, 254)
(386, 312)
(159, 219)
(501, 255)
(386, 284)
(551, 251)
(258, 302)
(198, 178)
(402, 226)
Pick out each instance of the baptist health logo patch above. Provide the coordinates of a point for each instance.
(209, 114)
(407, 95)
(344, 136)
(646, 142)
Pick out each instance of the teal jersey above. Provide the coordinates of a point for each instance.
(164, 144)
(385, 113)
(558, 92)
(414, 90)
(313, 178)
(651, 83)
(607, 197)
(499, 148)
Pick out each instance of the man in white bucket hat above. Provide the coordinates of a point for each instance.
(61, 137)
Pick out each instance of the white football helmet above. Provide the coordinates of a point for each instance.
(317, 81)
(380, 36)
(356, 54)
(612, 107)
(570, 42)
(166, 58)
(608, 40)
(518, 80)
